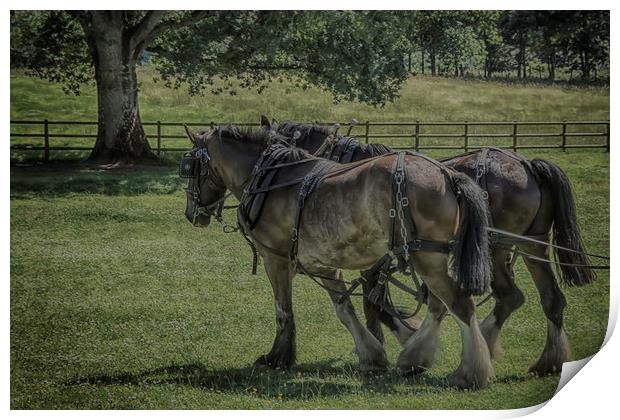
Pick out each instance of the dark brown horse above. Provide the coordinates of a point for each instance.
(526, 197)
(444, 205)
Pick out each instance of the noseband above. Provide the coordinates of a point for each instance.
(195, 165)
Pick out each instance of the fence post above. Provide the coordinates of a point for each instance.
(417, 136)
(367, 131)
(564, 136)
(607, 135)
(158, 138)
(46, 138)
(514, 136)
(466, 136)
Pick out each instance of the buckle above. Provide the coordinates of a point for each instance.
(404, 202)
(415, 245)
(392, 213)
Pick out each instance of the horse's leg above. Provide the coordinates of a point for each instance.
(508, 298)
(375, 317)
(371, 355)
(282, 354)
(557, 349)
(421, 347)
(475, 370)
(372, 312)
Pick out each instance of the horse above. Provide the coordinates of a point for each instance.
(344, 223)
(526, 197)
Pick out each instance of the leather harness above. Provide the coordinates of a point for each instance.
(401, 221)
(342, 150)
(196, 165)
(500, 240)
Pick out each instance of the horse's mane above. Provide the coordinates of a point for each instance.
(375, 149)
(243, 134)
(284, 153)
(288, 128)
(371, 149)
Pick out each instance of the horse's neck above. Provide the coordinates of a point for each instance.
(238, 166)
(312, 142)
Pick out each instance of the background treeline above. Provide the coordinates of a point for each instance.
(522, 44)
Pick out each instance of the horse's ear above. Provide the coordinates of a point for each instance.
(264, 123)
(190, 134)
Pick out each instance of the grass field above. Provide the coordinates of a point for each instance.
(422, 98)
(117, 302)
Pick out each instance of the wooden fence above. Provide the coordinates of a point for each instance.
(417, 135)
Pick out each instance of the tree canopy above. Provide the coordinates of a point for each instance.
(489, 42)
(354, 55)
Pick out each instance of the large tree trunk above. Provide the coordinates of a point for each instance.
(551, 67)
(120, 135)
(423, 61)
(585, 66)
(433, 62)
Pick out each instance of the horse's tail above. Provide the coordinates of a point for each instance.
(566, 231)
(471, 265)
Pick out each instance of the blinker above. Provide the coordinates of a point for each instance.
(189, 166)
(194, 164)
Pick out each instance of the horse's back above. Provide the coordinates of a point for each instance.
(351, 210)
(514, 193)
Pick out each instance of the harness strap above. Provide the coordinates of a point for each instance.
(383, 268)
(481, 172)
(310, 181)
(352, 146)
(502, 235)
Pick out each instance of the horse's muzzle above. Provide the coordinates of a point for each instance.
(201, 220)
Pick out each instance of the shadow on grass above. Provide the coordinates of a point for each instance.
(302, 382)
(61, 178)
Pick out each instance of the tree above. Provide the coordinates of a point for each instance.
(550, 39)
(517, 31)
(431, 28)
(354, 55)
(461, 47)
(588, 40)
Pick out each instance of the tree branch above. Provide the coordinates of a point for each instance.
(85, 21)
(151, 27)
(144, 28)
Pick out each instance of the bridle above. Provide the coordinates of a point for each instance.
(195, 165)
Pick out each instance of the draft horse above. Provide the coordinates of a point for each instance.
(526, 197)
(319, 217)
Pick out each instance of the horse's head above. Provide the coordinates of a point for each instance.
(205, 189)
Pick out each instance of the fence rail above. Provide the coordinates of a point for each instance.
(419, 135)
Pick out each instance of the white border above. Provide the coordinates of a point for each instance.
(593, 392)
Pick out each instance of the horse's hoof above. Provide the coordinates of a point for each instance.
(372, 368)
(410, 370)
(266, 362)
(460, 381)
(544, 368)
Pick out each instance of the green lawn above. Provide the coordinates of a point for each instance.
(118, 302)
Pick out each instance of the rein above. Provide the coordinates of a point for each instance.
(503, 237)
